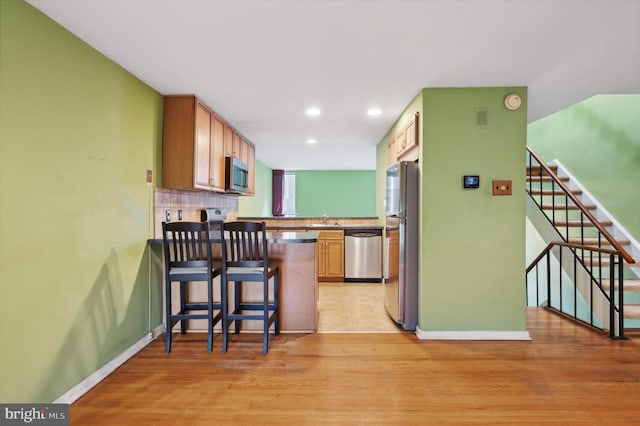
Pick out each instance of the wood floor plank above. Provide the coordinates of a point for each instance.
(567, 374)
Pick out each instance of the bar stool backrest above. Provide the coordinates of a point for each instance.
(245, 244)
(187, 244)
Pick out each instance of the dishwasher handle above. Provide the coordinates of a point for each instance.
(363, 233)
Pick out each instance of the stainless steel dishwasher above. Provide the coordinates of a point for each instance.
(363, 254)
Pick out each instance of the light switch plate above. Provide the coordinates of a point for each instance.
(501, 187)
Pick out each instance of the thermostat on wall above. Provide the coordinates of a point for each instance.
(471, 182)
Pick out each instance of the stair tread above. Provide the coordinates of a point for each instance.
(629, 284)
(605, 262)
(632, 311)
(580, 223)
(547, 178)
(566, 207)
(593, 241)
(557, 192)
(538, 169)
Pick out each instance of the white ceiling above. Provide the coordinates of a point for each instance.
(260, 64)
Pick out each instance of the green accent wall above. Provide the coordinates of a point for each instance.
(598, 140)
(472, 245)
(77, 134)
(341, 193)
(258, 205)
(332, 192)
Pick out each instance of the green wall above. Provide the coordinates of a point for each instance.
(598, 140)
(472, 245)
(336, 193)
(258, 205)
(77, 133)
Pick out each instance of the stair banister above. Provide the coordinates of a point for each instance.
(620, 250)
(612, 304)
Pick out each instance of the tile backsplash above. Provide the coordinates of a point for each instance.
(190, 202)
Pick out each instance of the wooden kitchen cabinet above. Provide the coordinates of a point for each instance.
(402, 147)
(228, 140)
(251, 163)
(235, 151)
(217, 152)
(202, 163)
(331, 255)
(192, 155)
(243, 153)
(195, 142)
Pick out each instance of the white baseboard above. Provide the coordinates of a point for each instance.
(84, 386)
(472, 335)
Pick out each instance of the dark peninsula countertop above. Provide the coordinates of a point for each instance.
(275, 238)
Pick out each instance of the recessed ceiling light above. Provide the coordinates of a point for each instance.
(313, 111)
(374, 112)
(311, 141)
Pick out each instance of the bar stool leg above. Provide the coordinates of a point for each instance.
(276, 301)
(210, 315)
(167, 305)
(183, 298)
(225, 312)
(265, 317)
(237, 294)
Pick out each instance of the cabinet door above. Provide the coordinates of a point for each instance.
(228, 141)
(251, 162)
(322, 258)
(178, 142)
(217, 153)
(244, 150)
(203, 144)
(391, 152)
(236, 145)
(331, 255)
(335, 258)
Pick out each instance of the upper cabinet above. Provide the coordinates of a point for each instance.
(217, 149)
(403, 146)
(195, 143)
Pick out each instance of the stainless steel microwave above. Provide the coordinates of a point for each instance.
(236, 175)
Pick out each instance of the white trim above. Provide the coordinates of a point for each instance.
(472, 335)
(96, 377)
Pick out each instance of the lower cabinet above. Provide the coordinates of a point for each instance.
(331, 255)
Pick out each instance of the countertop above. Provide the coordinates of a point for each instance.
(316, 223)
(318, 218)
(275, 238)
(320, 227)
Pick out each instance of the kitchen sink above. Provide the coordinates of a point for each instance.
(321, 225)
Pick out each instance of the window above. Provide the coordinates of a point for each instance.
(289, 196)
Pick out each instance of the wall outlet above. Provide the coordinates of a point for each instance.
(167, 214)
(179, 214)
(149, 176)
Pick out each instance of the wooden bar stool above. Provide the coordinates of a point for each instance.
(245, 258)
(188, 259)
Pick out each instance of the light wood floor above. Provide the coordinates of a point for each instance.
(566, 375)
(353, 308)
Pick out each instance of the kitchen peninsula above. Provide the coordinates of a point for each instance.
(296, 254)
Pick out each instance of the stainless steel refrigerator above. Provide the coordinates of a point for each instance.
(401, 244)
